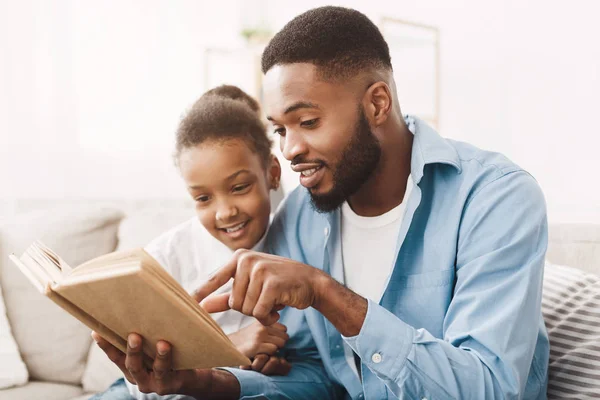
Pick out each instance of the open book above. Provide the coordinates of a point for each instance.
(128, 291)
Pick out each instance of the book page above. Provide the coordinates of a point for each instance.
(41, 258)
(52, 256)
(109, 261)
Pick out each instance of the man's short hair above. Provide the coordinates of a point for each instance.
(341, 42)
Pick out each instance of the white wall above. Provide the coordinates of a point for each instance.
(91, 92)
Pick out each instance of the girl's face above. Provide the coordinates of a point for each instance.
(231, 189)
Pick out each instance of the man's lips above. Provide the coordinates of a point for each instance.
(311, 175)
(306, 167)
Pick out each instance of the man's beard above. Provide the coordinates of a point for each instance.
(357, 163)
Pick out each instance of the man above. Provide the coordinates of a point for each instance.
(418, 259)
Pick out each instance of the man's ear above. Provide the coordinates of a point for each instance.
(377, 103)
(274, 173)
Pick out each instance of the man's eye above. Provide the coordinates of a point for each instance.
(279, 131)
(309, 123)
(202, 199)
(241, 188)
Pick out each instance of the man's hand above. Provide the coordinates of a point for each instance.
(263, 284)
(256, 339)
(162, 379)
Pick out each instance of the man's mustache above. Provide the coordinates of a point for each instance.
(301, 160)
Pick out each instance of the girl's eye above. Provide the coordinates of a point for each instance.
(279, 131)
(241, 188)
(309, 123)
(202, 199)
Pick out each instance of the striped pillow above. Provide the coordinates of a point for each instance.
(571, 308)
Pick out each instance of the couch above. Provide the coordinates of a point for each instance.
(61, 360)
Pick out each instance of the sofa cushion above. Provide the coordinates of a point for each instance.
(576, 245)
(571, 309)
(54, 345)
(99, 372)
(12, 369)
(42, 390)
(140, 227)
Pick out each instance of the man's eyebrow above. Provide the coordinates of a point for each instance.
(297, 106)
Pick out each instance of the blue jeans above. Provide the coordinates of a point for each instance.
(117, 391)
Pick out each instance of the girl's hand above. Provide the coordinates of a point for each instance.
(258, 339)
(269, 365)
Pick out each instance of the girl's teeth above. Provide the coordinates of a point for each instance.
(235, 228)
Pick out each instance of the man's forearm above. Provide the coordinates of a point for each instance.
(345, 309)
(221, 386)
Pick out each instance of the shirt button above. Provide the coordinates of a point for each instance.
(326, 231)
(337, 346)
(376, 358)
(360, 396)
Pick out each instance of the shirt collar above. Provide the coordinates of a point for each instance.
(428, 148)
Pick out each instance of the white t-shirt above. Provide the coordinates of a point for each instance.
(369, 248)
(369, 251)
(191, 254)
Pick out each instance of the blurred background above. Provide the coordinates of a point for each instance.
(91, 92)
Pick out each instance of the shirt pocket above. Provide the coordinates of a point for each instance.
(421, 300)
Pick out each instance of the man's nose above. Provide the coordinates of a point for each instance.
(292, 145)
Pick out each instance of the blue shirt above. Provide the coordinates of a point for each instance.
(460, 317)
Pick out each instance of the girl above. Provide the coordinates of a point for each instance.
(224, 156)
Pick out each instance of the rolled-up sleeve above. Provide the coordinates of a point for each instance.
(306, 380)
